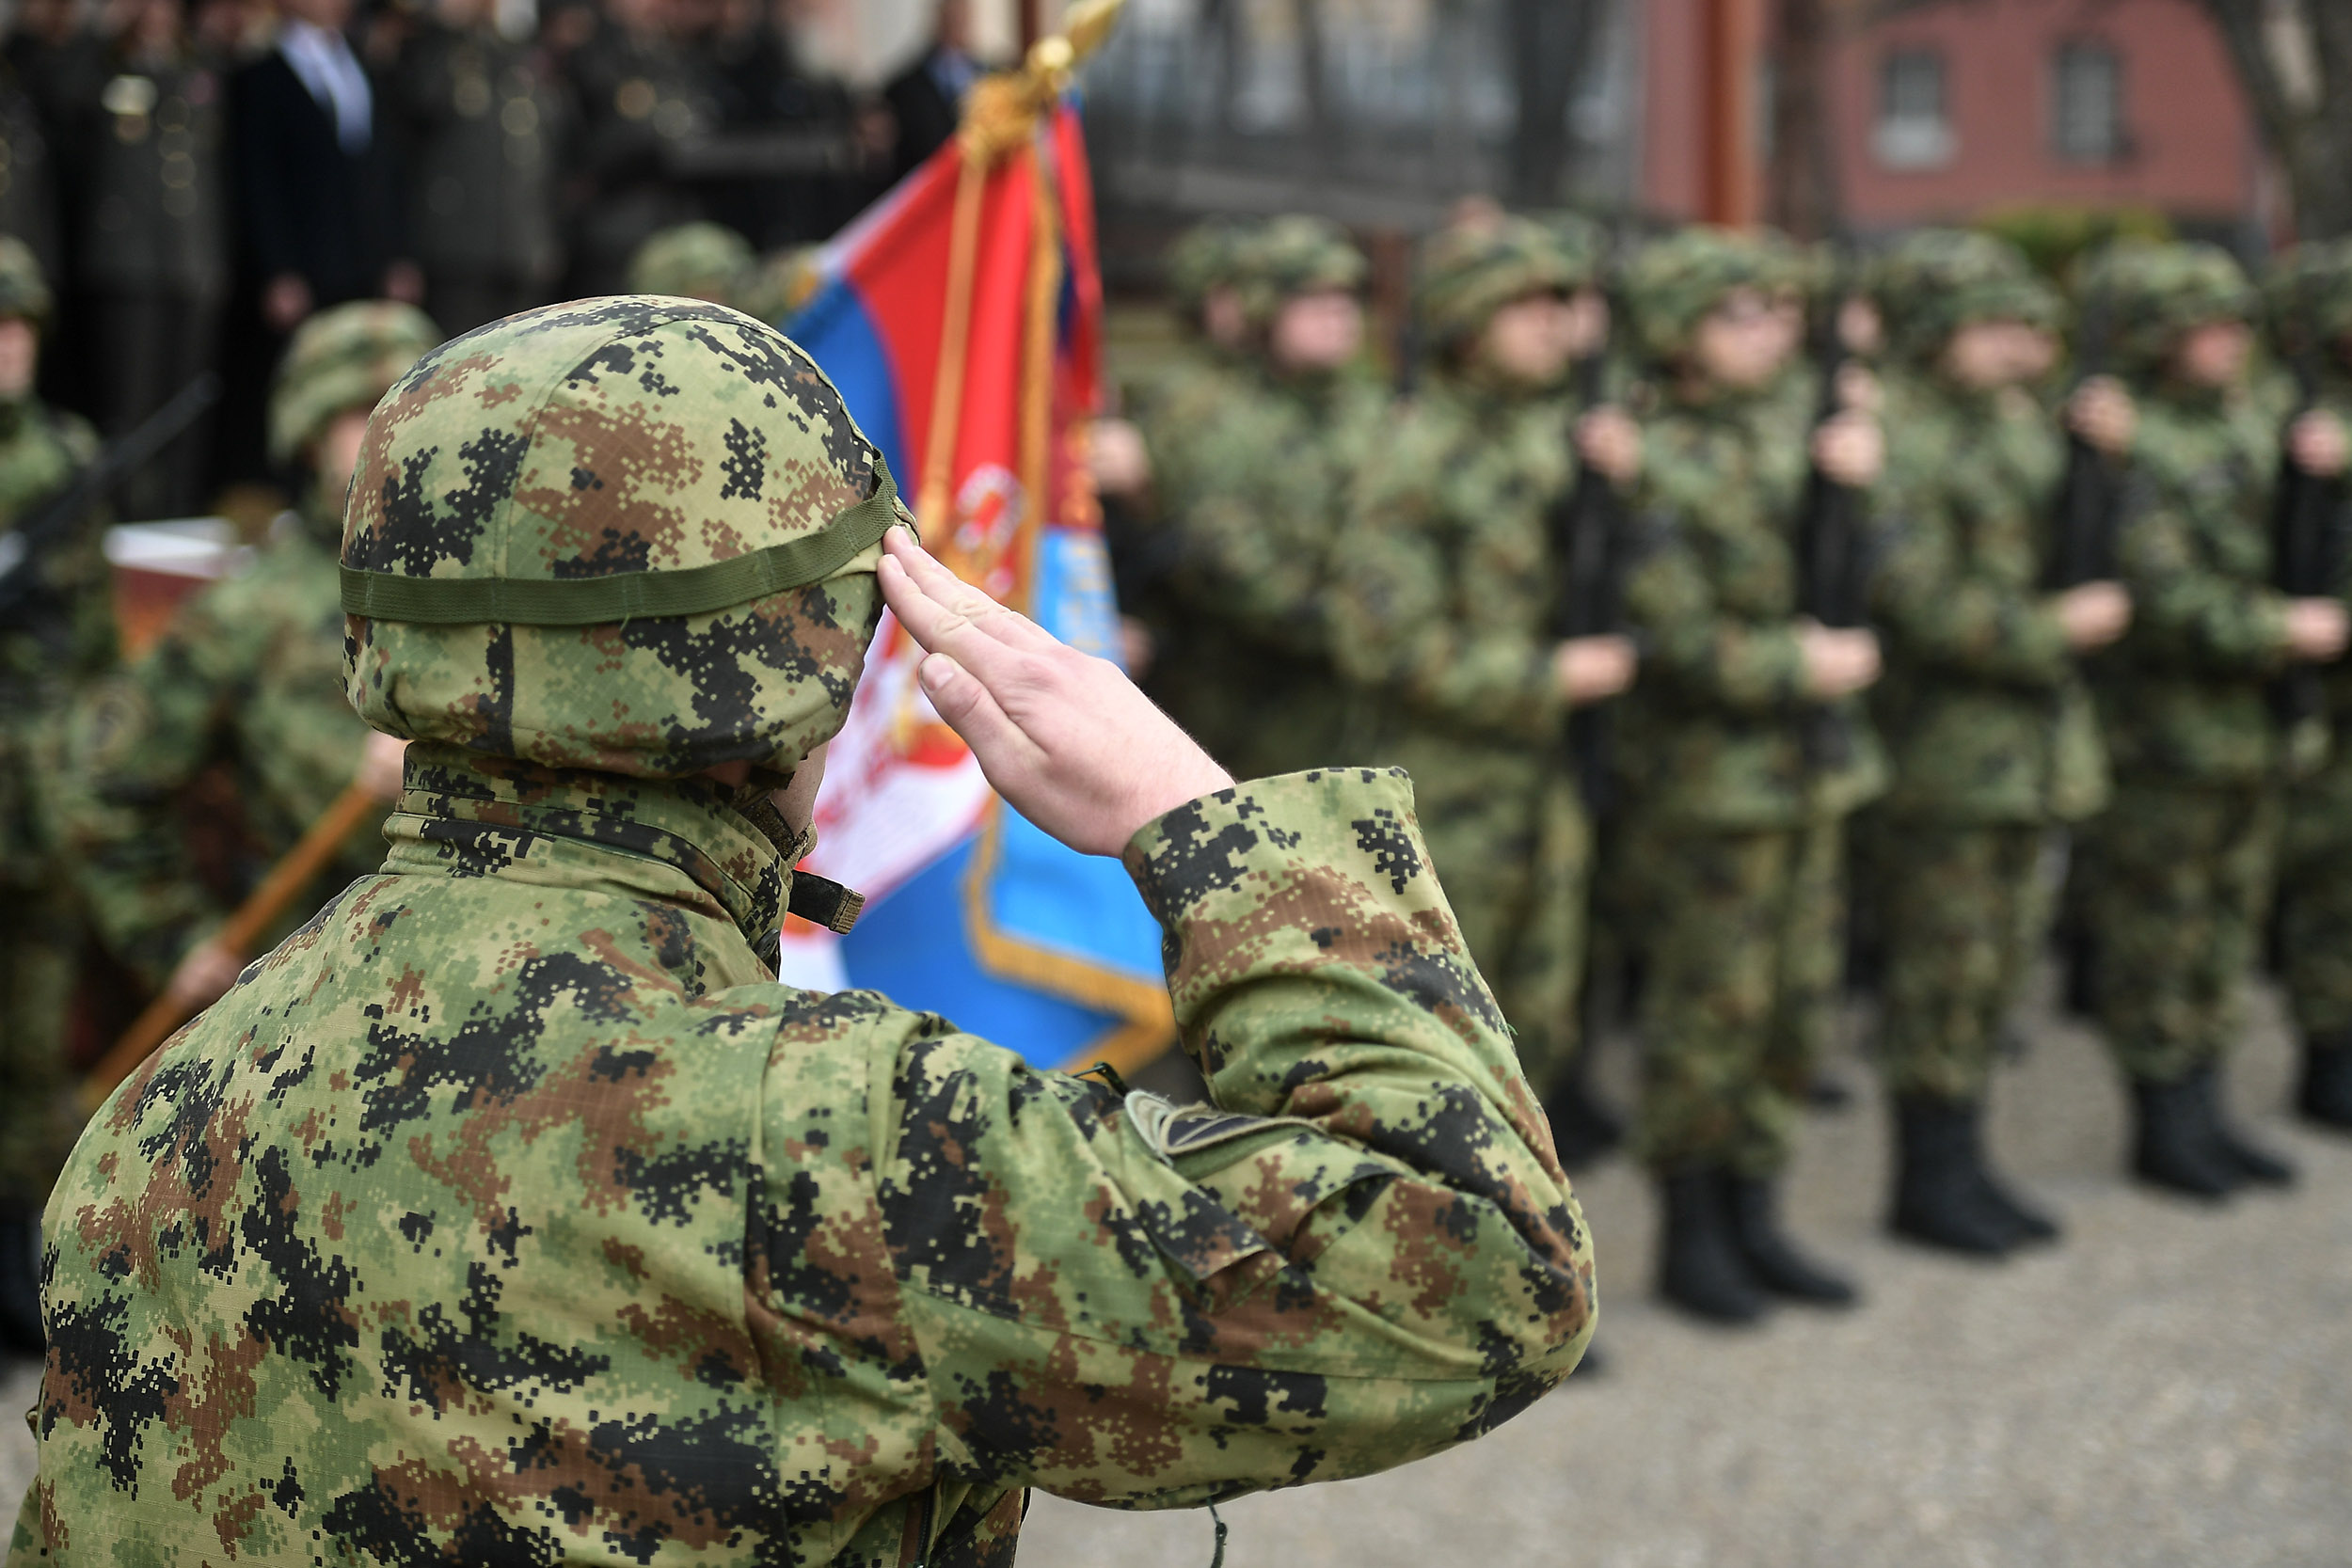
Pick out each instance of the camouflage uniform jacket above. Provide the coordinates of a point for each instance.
(1712, 734)
(1984, 707)
(249, 671)
(1252, 511)
(510, 1211)
(2184, 696)
(1444, 578)
(60, 633)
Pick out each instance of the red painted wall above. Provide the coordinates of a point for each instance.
(2194, 152)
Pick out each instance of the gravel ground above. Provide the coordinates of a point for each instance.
(2171, 1387)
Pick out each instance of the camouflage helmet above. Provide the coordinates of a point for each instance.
(2150, 292)
(1471, 269)
(1583, 240)
(781, 283)
(24, 291)
(2307, 295)
(344, 357)
(1291, 256)
(693, 261)
(1670, 284)
(635, 534)
(1934, 281)
(1204, 258)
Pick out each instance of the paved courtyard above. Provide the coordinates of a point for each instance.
(2172, 1387)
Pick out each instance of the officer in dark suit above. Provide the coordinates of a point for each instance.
(483, 126)
(926, 99)
(144, 156)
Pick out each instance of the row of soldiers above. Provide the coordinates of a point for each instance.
(1587, 582)
(193, 186)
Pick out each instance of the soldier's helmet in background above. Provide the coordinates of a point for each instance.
(2152, 292)
(1204, 258)
(2307, 296)
(632, 534)
(1933, 281)
(1672, 283)
(1294, 255)
(693, 260)
(1470, 269)
(24, 290)
(343, 357)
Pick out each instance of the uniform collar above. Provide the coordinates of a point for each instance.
(682, 841)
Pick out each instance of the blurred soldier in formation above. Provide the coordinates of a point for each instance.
(484, 132)
(1442, 611)
(143, 153)
(1735, 825)
(567, 1049)
(1258, 464)
(695, 261)
(2183, 861)
(247, 675)
(641, 95)
(56, 629)
(2311, 297)
(1985, 713)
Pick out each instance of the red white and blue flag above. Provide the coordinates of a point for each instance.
(972, 912)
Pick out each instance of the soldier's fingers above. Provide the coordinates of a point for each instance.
(972, 711)
(954, 605)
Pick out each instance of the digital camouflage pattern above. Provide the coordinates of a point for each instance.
(1440, 612)
(50, 642)
(1204, 258)
(2153, 291)
(1985, 714)
(1251, 511)
(1292, 255)
(248, 676)
(511, 1212)
(2183, 861)
(693, 260)
(341, 360)
(1741, 904)
(1470, 270)
(614, 437)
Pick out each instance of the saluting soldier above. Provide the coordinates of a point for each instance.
(57, 629)
(1442, 610)
(245, 676)
(641, 93)
(151, 234)
(517, 1211)
(2184, 859)
(484, 130)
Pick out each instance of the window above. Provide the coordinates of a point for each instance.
(1914, 129)
(2088, 126)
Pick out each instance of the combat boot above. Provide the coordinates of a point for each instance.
(20, 1280)
(2325, 1095)
(1700, 1268)
(2175, 1147)
(1942, 1194)
(1771, 1255)
(2255, 1162)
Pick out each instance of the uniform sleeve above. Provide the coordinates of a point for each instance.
(1940, 614)
(1690, 642)
(1399, 625)
(138, 738)
(2187, 616)
(1364, 1252)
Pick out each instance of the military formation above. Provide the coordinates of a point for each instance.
(1709, 586)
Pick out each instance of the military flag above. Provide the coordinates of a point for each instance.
(959, 319)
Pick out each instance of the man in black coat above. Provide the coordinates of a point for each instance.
(926, 99)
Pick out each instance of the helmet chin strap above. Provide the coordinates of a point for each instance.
(819, 900)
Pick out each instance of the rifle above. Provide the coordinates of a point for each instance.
(23, 547)
(2090, 509)
(1583, 528)
(2307, 539)
(1832, 548)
